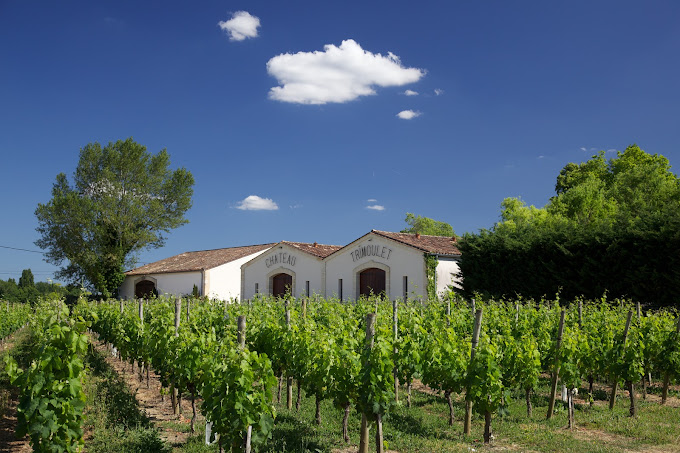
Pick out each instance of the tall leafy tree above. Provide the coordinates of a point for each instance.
(123, 199)
(425, 225)
(613, 225)
(26, 280)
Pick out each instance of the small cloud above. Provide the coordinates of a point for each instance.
(371, 200)
(295, 206)
(408, 114)
(438, 92)
(411, 93)
(583, 149)
(376, 207)
(541, 157)
(255, 203)
(336, 74)
(611, 150)
(241, 26)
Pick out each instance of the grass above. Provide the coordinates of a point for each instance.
(114, 422)
(424, 428)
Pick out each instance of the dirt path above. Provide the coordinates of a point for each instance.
(159, 410)
(8, 411)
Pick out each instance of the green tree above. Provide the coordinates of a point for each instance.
(613, 225)
(123, 200)
(425, 225)
(26, 280)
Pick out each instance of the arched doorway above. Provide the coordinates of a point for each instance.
(282, 284)
(372, 281)
(145, 289)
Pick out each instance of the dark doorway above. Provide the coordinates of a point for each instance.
(372, 281)
(145, 289)
(282, 284)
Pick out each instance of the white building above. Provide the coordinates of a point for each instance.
(398, 265)
(215, 273)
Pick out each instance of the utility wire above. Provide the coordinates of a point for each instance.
(22, 250)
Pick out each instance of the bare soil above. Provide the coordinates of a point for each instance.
(174, 430)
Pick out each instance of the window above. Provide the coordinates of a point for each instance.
(340, 289)
(405, 287)
(257, 288)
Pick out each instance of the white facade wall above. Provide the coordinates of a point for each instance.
(397, 260)
(447, 269)
(224, 282)
(174, 283)
(286, 259)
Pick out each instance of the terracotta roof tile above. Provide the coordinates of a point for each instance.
(196, 261)
(440, 245)
(319, 250)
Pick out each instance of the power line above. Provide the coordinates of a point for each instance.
(21, 250)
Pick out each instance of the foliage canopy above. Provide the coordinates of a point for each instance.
(613, 226)
(123, 200)
(425, 225)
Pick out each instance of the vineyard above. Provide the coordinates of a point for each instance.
(239, 366)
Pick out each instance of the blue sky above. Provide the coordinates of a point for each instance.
(507, 94)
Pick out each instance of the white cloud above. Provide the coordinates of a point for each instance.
(376, 207)
(255, 203)
(583, 149)
(241, 26)
(371, 200)
(411, 93)
(408, 114)
(336, 74)
(438, 92)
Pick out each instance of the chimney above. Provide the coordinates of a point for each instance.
(453, 239)
(417, 235)
(316, 244)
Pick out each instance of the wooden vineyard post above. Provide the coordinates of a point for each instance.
(289, 378)
(448, 311)
(467, 424)
(580, 313)
(242, 346)
(395, 332)
(666, 376)
(553, 387)
(298, 401)
(370, 334)
(140, 313)
(178, 310)
(615, 384)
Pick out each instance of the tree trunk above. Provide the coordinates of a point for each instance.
(664, 392)
(528, 398)
(193, 411)
(345, 424)
(631, 394)
(447, 395)
(591, 380)
(318, 410)
(408, 394)
(487, 427)
(175, 407)
(147, 376)
(612, 398)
